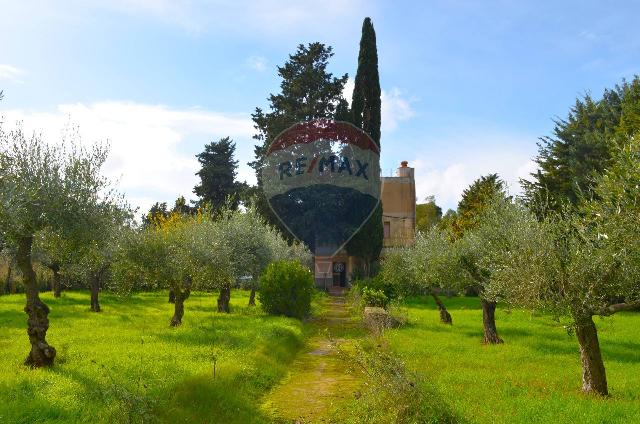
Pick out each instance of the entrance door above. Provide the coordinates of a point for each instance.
(339, 274)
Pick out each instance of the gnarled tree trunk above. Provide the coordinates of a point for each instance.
(489, 321)
(95, 291)
(445, 316)
(178, 309)
(594, 377)
(252, 297)
(224, 298)
(172, 296)
(8, 284)
(57, 286)
(42, 354)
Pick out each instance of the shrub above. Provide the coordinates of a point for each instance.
(378, 283)
(286, 288)
(374, 297)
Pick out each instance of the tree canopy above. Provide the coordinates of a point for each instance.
(366, 113)
(47, 187)
(218, 171)
(428, 214)
(581, 145)
(307, 91)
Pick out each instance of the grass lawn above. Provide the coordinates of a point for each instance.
(126, 363)
(534, 377)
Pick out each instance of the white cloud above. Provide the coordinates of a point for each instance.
(445, 174)
(258, 63)
(395, 107)
(347, 91)
(153, 147)
(10, 73)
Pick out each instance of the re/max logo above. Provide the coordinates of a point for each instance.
(331, 164)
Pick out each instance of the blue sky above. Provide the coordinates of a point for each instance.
(468, 86)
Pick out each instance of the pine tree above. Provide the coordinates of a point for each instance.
(581, 145)
(218, 183)
(475, 200)
(308, 91)
(365, 114)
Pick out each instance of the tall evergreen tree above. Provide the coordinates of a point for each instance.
(365, 114)
(217, 174)
(308, 91)
(580, 147)
(475, 200)
(366, 103)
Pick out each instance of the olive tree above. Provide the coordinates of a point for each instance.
(45, 187)
(424, 268)
(55, 252)
(479, 251)
(253, 244)
(97, 252)
(181, 253)
(582, 265)
(436, 264)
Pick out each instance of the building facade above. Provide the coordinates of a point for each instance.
(398, 197)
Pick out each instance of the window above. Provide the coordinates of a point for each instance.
(387, 229)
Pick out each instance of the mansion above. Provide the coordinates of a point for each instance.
(398, 198)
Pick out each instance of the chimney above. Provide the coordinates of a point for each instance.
(405, 170)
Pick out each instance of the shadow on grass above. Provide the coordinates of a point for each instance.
(40, 409)
(202, 398)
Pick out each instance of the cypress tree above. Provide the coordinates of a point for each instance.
(366, 113)
(365, 103)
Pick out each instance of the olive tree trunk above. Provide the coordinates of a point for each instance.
(57, 286)
(252, 297)
(8, 280)
(489, 321)
(180, 295)
(42, 354)
(594, 377)
(445, 316)
(172, 296)
(224, 298)
(95, 291)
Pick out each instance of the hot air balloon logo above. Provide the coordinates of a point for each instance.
(322, 180)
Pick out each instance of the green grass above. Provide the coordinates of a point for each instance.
(126, 363)
(534, 377)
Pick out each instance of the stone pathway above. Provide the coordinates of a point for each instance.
(319, 378)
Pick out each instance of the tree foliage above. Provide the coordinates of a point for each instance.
(286, 289)
(57, 188)
(366, 103)
(475, 200)
(581, 147)
(189, 252)
(218, 186)
(428, 214)
(578, 265)
(366, 112)
(307, 91)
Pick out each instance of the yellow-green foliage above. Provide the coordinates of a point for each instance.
(533, 377)
(127, 363)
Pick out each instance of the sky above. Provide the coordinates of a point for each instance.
(468, 86)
